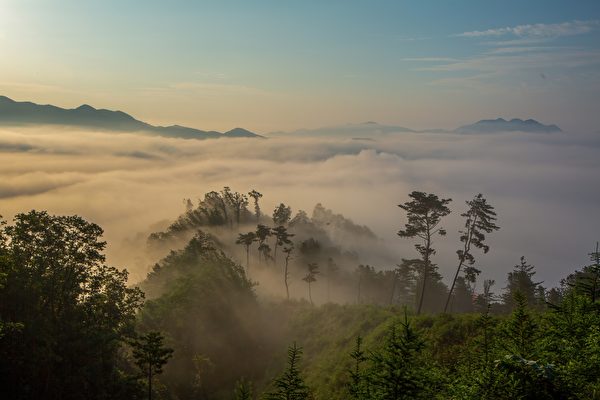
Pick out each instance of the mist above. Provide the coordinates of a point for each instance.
(544, 187)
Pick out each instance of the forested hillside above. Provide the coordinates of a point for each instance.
(244, 303)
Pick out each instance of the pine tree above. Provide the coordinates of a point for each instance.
(398, 370)
(310, 277)
(256, 196)
(520, 331)
(521, 280)
(150, 356)
(479, 219)
(290, 385)
(359, 385)
(424, 213)
(246, 239)
(243, 390)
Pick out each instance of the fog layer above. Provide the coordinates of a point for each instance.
(544, 187)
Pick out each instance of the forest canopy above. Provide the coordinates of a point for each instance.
(233, 286)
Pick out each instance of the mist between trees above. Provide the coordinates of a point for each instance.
(232, 285)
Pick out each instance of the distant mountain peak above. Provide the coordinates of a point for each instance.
(85, 107)
(239, 133)
(502, 125)
(27, 113)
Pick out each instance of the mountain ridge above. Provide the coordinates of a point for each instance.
(28, 113)
(358, 131)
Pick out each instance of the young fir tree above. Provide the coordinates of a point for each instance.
(587, 281)
(520, 331)
(358, 387)
(150, 356)
(243, 390)
(290, 385)
(424, 213)
(399, 370)
(479, 219)
(521, 280)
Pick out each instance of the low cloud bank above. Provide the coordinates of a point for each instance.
(544, 187)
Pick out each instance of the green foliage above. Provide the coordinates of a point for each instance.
(204, 303)
(290, 385)
(243, 390)
(399, 370)
(65, 313)
(359, 385)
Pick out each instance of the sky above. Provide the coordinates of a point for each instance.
(285, 65)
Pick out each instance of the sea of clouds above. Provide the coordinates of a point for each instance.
(545, 187)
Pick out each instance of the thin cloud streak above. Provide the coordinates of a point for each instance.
(538, 30)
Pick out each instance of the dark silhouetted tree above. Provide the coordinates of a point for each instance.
(479, 219)
(587, 281)
(237, 202)
(255, 195)
(262, 233)
(310, 277)
(150, 356)
(246, 239)
(424, 213)
(64, 312)
(282, 214)
(282, 238)
(521, 280)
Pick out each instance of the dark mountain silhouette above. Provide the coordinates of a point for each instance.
(366, 129)
(502, 125)
(27, 113)
(239, 132)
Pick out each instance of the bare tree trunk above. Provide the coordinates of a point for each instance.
(247, 261)
(285, 279)
(425, 269)
(149, 382)
(462, 261)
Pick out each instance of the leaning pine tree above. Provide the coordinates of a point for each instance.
(424, 213)
(479, 219)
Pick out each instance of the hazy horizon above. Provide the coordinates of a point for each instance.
(132, 184)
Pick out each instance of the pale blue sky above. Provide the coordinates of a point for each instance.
(270, 65)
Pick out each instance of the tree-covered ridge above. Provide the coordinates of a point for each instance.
(71, 327)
